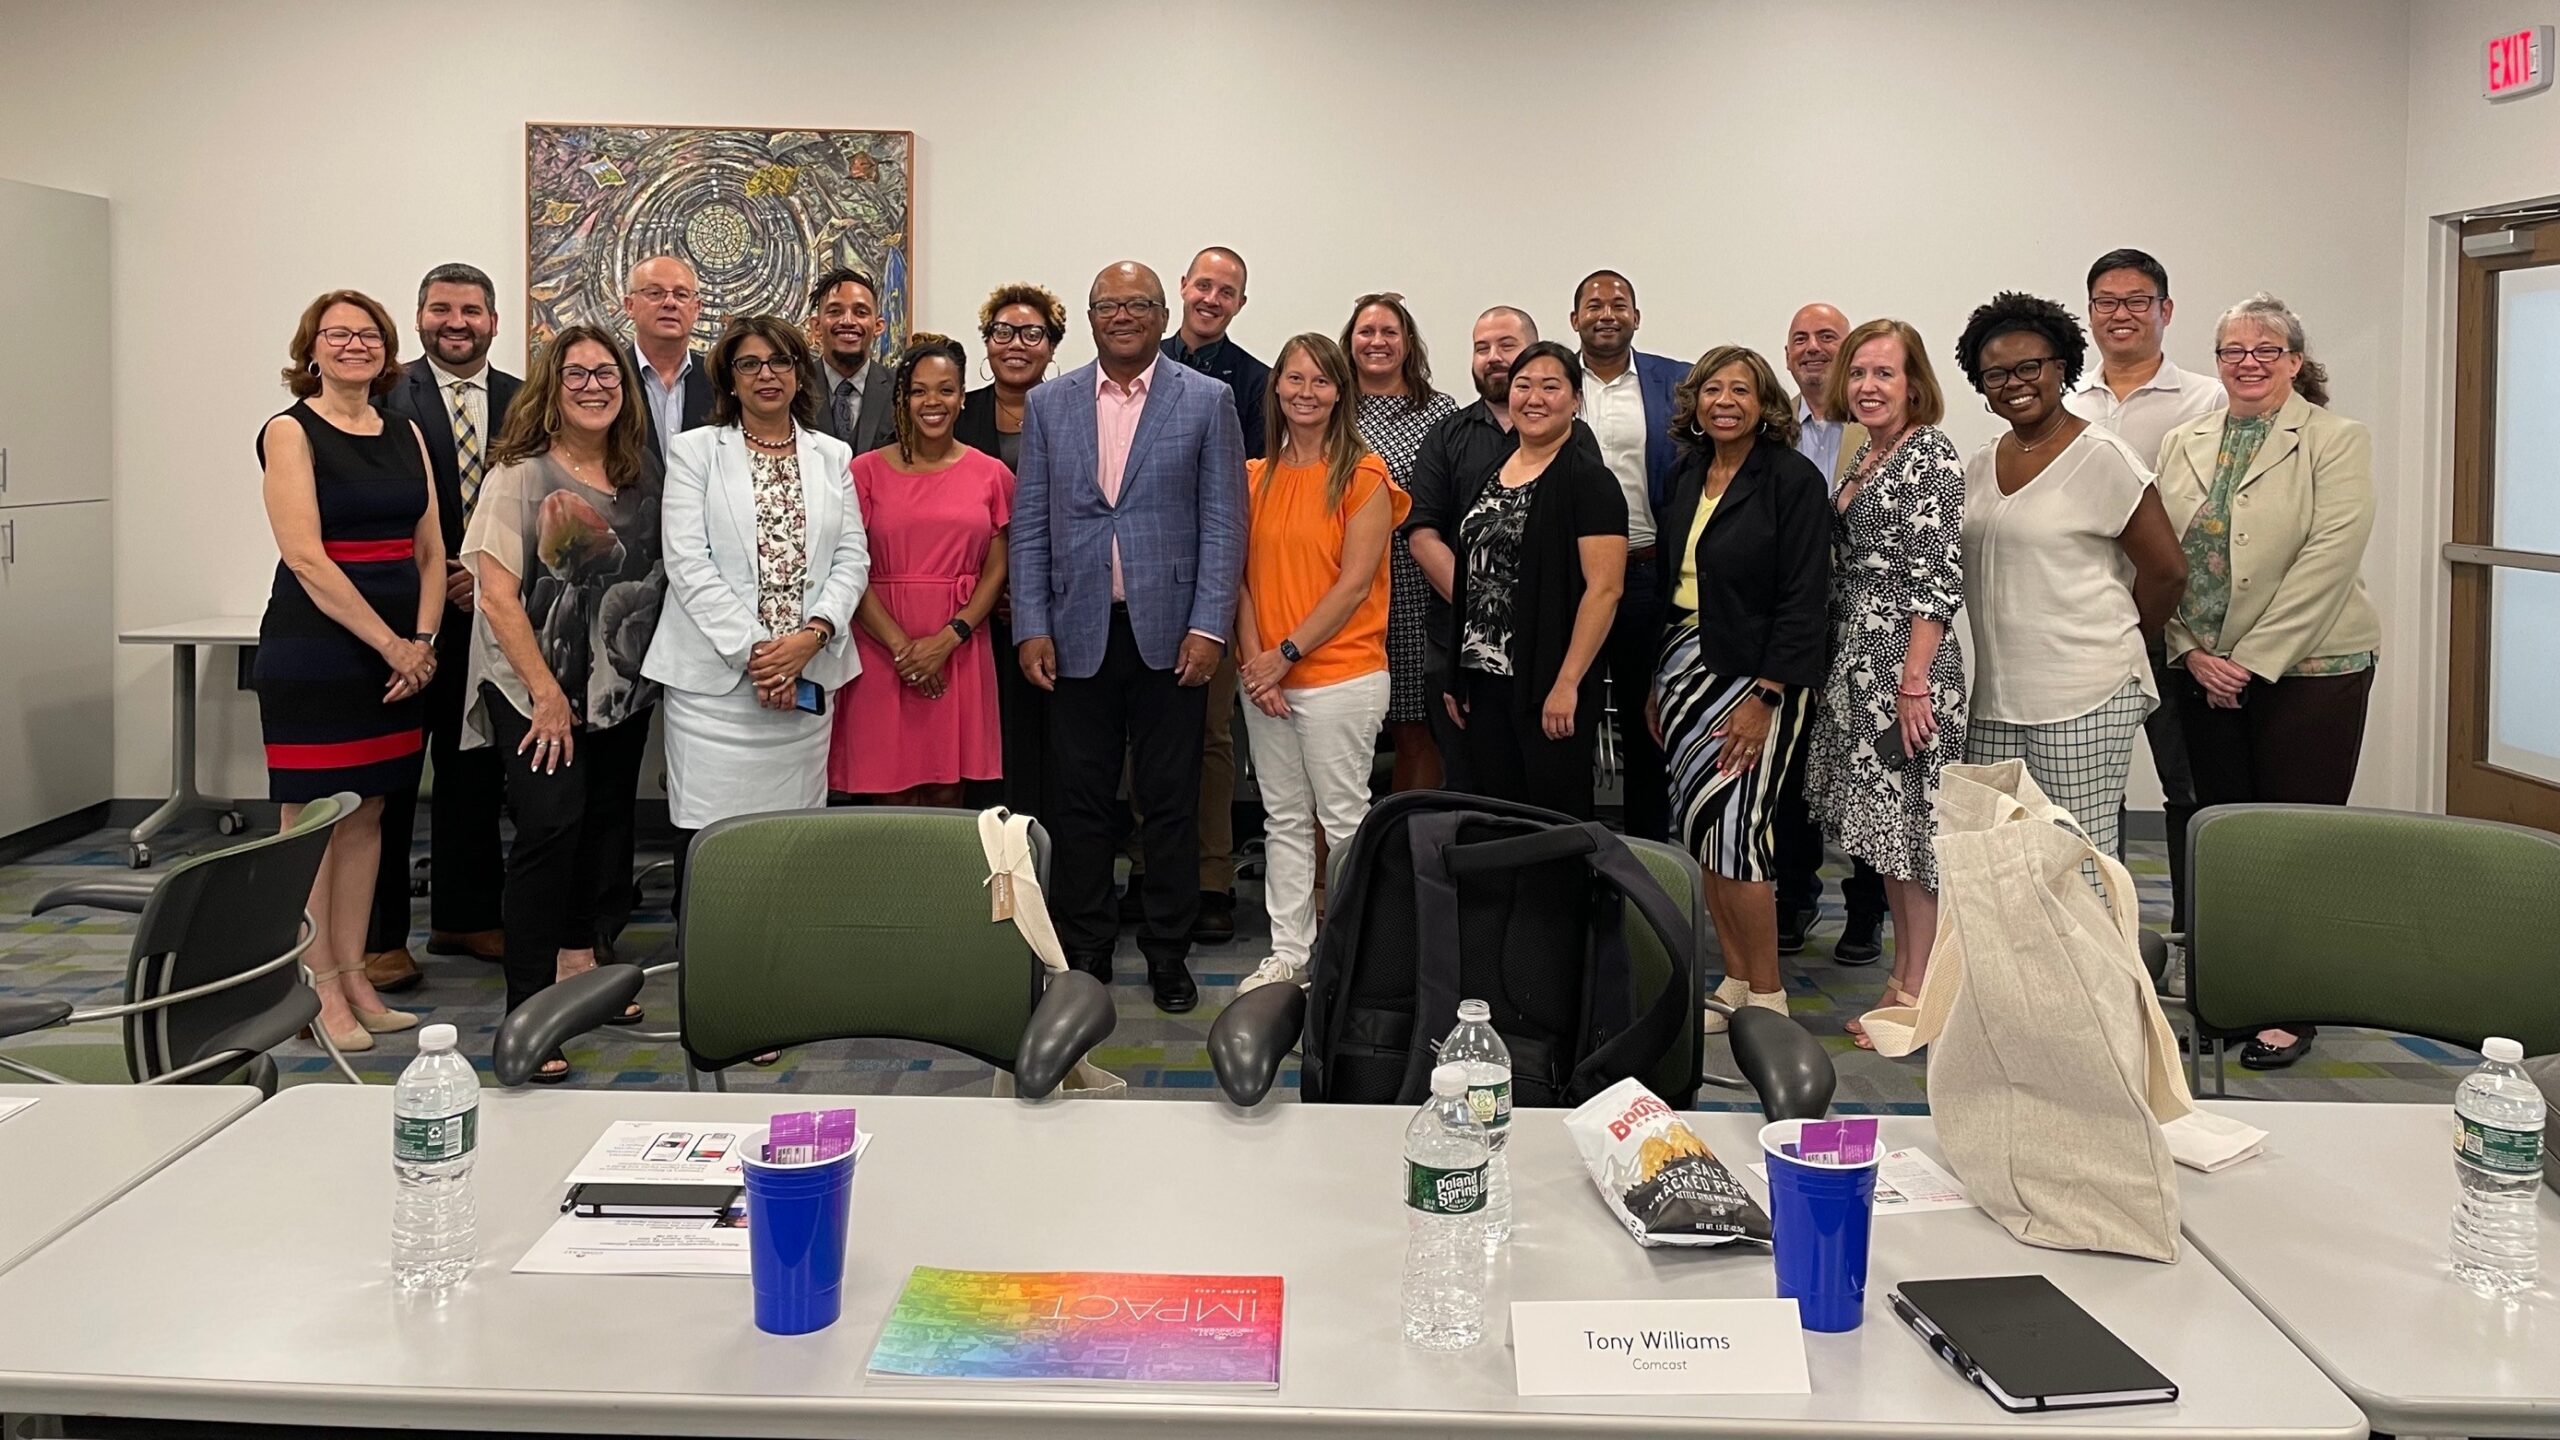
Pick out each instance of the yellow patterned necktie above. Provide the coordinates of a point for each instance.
(466, 446)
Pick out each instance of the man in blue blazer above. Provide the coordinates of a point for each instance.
(1127, 551)
(1626, 400)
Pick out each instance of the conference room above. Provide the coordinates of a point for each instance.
(1851, 746)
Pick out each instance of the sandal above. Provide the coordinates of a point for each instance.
(1858, 1032)
(631, 1015)
(543, 1074)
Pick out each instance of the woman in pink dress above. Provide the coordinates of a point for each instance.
(920, 720)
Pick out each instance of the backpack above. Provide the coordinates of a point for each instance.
(1446, 897)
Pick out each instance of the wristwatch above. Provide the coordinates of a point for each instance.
(960, 628)
(1769, 695)
(1289, 651)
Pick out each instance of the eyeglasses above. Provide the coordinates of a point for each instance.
(752, 366)
(2263, 354)
(660, 295)
(1001, 333)
(603, 377)
(1137, 309)
(1999, 376)
(2129, 304)
(341, 338)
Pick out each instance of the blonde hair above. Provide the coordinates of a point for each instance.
(1925, 402)
(2311, 382)
(1343, 447)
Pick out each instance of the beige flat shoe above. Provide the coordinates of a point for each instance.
(1733, 992)
(384, 1022)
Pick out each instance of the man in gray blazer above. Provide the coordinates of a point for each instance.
(1127, 550)
(854, 403)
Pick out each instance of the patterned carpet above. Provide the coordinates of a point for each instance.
(79, 956)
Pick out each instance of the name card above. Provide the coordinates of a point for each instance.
(1659, 1347)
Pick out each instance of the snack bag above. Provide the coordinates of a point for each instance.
(1657, 1176)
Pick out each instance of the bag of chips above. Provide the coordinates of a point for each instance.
(1657, 1176)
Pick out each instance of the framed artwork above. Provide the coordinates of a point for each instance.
(759, 214)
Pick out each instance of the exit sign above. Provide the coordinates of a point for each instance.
(2517, 64)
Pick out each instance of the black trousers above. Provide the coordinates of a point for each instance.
(573, 845)
(1511, 758)
(471, 788)
(1125, 709)
(2165, 729)
(1022, 720)
(1439, 670)
(2294, 740)
(1633, 649)
(1799, 860)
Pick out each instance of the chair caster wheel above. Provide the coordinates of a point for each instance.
(230, 822)
(138, 856)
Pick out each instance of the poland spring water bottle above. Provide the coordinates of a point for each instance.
(1446, 1264)
(1475, 1045)
(435, 1128)
(2497, 1155)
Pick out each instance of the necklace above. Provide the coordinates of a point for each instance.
(2050, 430)
(790, 438)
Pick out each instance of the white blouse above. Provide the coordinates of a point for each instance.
(2047, 585)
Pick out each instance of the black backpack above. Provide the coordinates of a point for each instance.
(1446, 897)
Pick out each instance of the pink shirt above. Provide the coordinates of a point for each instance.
(1116, 410)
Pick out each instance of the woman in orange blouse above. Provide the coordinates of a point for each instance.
(1311, 627)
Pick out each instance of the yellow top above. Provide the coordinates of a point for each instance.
(1685, 594)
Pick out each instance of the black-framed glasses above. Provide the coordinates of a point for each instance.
(603, 377)
(1001, 333)
(2030, 371)
(2263, 354)
(2129, 304)
(339, 337)
(660, 295)
(1138, 309)
(752, 366)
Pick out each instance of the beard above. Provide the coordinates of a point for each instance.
(1494, 385)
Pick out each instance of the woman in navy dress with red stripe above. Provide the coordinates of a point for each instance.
(348, 642)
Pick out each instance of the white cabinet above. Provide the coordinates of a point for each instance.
(54, 413)
(57, 662)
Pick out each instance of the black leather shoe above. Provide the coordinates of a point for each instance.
(1175, 990)
(1096, 963)
(1792, 926)
(1133, 905)
(2259, 1055)
(1215, 924)
(1861, 941)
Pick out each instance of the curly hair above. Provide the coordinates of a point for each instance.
(2013, 312)
(788, 342)
(922, 346)
(1053, 315)
(302, 377)
(1777, 417)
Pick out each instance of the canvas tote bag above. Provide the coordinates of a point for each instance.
(1006, 838)
(2051, 1068)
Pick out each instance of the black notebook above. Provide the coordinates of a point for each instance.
(2028, 1344)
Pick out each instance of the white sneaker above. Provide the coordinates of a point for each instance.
(1272, 972)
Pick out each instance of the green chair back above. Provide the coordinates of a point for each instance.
(1675, 1079)
(2423, 924)
(860, 923)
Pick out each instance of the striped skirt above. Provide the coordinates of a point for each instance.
(1728, 821)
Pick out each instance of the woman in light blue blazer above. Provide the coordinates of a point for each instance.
(765, 561)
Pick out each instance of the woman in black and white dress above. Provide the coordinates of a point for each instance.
(1395, 408)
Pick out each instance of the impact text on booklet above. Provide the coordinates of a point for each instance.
(1077, 1327)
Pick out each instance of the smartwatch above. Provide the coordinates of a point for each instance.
(1289, 651)
(1768, 695)
(960, 628)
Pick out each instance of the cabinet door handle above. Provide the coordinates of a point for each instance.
(8, 542)
(4, 469)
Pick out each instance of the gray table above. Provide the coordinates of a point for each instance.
(79, 1146)
(2340, 1231)
(251, 1283)
(183, 638)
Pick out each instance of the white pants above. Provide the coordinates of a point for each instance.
(1312, 767)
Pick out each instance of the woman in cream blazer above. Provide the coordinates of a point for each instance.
(2275, 640)
(766, 559)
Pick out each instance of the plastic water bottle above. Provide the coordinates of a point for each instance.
(2497, 1155)
(1477, 1046)
(435, 1130)
(1447, 1266)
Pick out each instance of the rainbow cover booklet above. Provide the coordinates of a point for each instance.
(1084, 1327)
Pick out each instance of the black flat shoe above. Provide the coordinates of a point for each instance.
(1861, 941)
(1215, 924)
(1175, 991)
(1792, 927)
(1096, 964)
(2259, 1055)
(543, 1074)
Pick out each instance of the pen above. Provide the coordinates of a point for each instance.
(1929, 1336)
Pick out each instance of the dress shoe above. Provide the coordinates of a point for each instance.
(392, 971)
(2259, 1055)
(1215, 923)
(1861, 941)
(1096, 963)
(1792, 927)
(1175, 990)
(488, 945)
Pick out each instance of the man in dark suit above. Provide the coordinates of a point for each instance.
(1128, 555)
(854, 403)
(664, 303)
(458, 401)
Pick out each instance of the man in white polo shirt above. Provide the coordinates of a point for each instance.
(2142, 395)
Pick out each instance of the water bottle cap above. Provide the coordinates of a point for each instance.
(2499, 1047)
(435, 1038)
(1474, 1012)
(1448, 1081)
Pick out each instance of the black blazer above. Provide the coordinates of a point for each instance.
(415, 398)
(876, 423)
(976, 426)
(697, 398)
(1764, 564)
(1577, 496)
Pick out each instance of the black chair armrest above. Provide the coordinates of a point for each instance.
(575, 1006)
(2155, 955)
(1250, 1038)
(17, 1017)
(1784, 1063)
(1074, 1014)
(128, 896)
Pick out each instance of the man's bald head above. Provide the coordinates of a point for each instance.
(1127, 311)
(1813, 342)
(1115, 277)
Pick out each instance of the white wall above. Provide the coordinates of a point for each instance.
(1736, 158)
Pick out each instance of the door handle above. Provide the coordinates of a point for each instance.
(8, 542)
(4, 469)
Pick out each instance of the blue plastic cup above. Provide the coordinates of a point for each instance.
(797, 1220)
(1819, 1216)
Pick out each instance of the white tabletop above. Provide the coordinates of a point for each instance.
(252, 1283)
(217, 630)
(80, 1146)
(2339, 1231)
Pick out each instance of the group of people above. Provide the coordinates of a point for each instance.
(839, 576)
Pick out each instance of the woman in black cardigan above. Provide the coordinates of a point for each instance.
(1747, 560)
(1541, 562)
